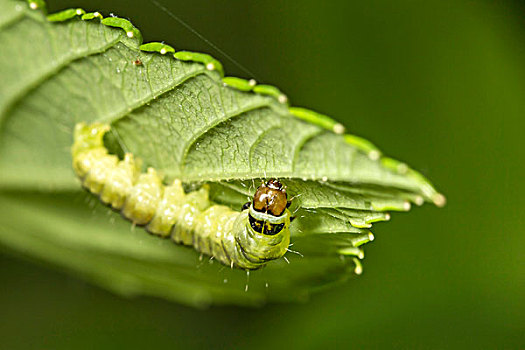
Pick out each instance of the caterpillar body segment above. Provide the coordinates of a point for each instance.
(246, 239)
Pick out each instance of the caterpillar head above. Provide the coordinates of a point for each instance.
(270, 198)
(268, 214)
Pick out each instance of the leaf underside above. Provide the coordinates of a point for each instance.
(178, 114)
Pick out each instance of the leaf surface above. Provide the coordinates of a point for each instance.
(178, 114)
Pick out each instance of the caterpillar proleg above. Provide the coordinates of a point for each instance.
(247, 239)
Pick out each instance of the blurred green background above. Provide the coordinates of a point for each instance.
(439, 84)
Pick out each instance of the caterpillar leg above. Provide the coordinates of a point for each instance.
(168, 210)
(119, 182)
(143, 197)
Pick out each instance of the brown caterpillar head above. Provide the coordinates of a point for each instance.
(270, 198)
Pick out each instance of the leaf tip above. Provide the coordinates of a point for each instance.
(439, 200)
(210, 66)
(358, 270)
(374, 154)
(339, 129)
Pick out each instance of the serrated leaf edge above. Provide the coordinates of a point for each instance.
(250, 85)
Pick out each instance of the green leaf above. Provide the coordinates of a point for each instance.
(177, 112)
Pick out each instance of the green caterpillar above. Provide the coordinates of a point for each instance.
(247, 239)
